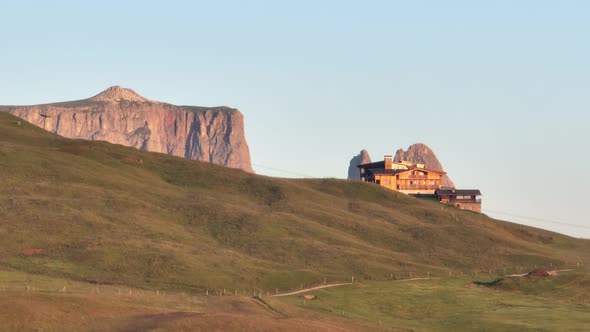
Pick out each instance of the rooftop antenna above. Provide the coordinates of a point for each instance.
(44, 116)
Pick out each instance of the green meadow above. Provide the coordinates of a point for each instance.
(101, 215)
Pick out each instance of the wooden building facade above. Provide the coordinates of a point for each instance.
(415, 179)
(404, 177)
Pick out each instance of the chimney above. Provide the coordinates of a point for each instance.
(388, 162)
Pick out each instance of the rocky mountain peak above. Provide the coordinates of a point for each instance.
(362, 158)
(420, 153)
(117, 93)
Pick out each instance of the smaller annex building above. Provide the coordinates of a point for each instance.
(466, 199)
(415, 179)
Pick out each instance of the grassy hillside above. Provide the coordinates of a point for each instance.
(569, 287)
(45, 306)
(33, 303)
(103, 213)
(453, 304)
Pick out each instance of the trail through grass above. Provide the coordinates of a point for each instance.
(453, 304)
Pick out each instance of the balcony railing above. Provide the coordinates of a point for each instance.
(467, 200)
(418, 187)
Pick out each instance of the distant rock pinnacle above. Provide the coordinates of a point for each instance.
(362, 158)
(421, 154)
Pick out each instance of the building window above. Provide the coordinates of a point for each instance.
(378, 181)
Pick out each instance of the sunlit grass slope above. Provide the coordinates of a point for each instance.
(105, 213)
(40, 303)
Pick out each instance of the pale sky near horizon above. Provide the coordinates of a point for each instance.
(500, 90)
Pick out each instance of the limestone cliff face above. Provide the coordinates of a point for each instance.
(121, 116)
(361, 158)
(422, 154)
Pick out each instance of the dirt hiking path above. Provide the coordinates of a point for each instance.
(312, 289)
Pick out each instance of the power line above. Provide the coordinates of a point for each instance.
(536, 219)
(485, 210)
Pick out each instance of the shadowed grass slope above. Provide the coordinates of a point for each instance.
(450, 304)
(105, 213)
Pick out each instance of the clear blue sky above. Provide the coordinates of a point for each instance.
(499, 89)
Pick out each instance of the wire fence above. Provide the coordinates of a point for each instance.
(31, 286)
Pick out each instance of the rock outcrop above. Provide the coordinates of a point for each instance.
(422, 154)
(121, 116)
(362, 158)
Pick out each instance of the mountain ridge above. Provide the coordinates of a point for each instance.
(122, 116)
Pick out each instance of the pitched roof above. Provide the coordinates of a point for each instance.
(399, 171)
(386, 171)
(458, 192)
(377, 164)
